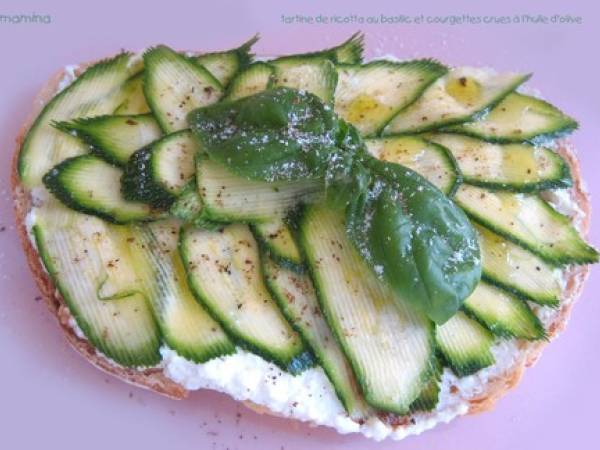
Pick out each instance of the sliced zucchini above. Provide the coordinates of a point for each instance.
(464, 344)
(315, 75)
(158, 174)
(224, 273)
(503, 314)
(348, 52)
(174, 85)
(296, 297)
(78, 252)
(115, 138)
(133, 101)
(224, 65)
(458, 97)
(227, 197)
(515, 167)
(188, 205)
(278, 241)
(99, 90)
(185, 326)
(518, 118)
(511, 267)
(528, 221)
(369, 95)
(252, 80)
(90, 185)
(429, 396)
(390, 347)
(427, 159)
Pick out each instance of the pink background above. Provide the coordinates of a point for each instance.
(49, 396)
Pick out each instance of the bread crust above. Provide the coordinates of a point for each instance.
(154, 379)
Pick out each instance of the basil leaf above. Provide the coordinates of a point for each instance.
(416, 239)
(275, 135)
(413, 237)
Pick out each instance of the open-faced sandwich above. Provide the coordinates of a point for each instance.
(375, 247)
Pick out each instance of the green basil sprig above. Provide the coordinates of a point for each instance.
(408, 231)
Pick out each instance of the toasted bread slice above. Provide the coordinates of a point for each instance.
(154, 378)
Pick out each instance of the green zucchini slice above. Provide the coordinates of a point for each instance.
(83, 255)
(99, 90)
(279, 242)
(188, 205)
(115, 138)
(224, 65)
(224, 274)
(133, 101)
(228, 197)
(315, 75)
(174, 85)
(428, 159)
(369, 95)
(158, 174)
(503, 314)
(252, 80)
(185, 325)
(458, 97)
(90, 185)
(528, 221)
(296, 297)
(465, 344)
(518, 118)
(517, 270)
(429, 397)
(380, 338)
(348, 52)
(515, 167)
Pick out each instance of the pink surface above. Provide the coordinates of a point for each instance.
(50, 396)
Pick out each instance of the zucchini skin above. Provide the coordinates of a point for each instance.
(348, 52)
(325, 91)
(98, 146)
(150, 357)
(188, 205)
(52, 181)
(237, 87)
(157, 56)
(563, 181)
(161, 280)
(429, 396)
(453, 121)
(296, 265)
(564, 126)
(242, 55)
(464, 362)
(588, 254)
(503, 330)
(436, 70)
(513, 257)
(291, 363)
(134, 102)
(141, 179)
(552, 302)
(455, 175)
(535, 139)
(425, 376)
(560, 180)
(137, 183)
(352, 401)
(117, 63)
